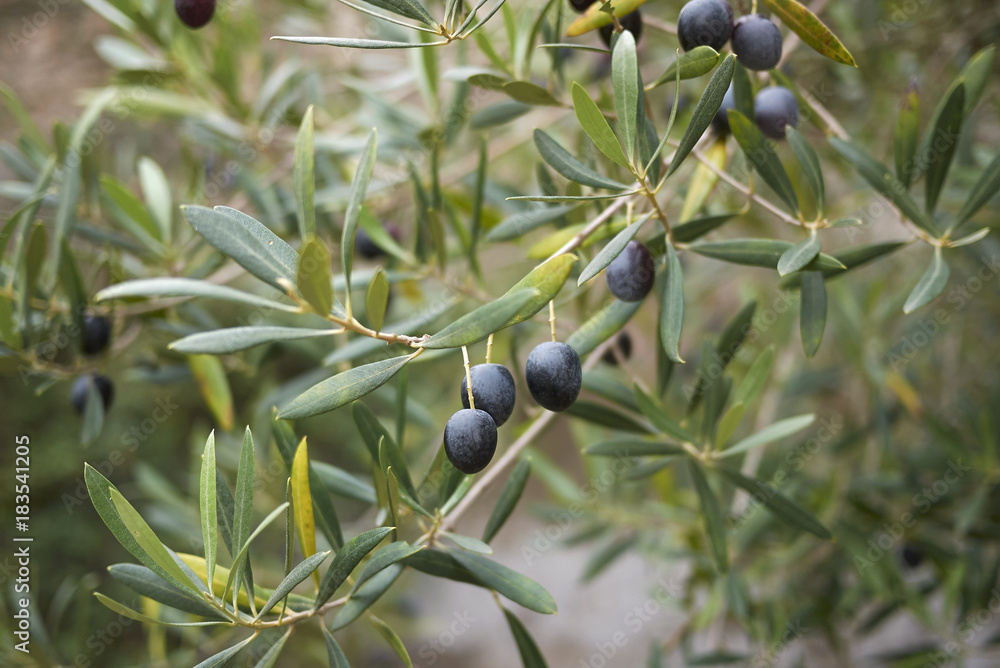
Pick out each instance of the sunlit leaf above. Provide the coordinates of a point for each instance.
(811, 30)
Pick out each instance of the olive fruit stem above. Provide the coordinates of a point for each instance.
(552, 322)
(489, 349)
(498, 468)
(468, 377)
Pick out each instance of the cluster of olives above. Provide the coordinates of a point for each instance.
(95, 337)
(755, 39)
(194, 13)
(554, 376)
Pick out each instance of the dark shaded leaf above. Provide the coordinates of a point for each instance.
(509, 497)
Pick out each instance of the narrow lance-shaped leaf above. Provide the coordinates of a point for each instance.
(156, 190)
(247, 241)
(780, 506)
(509, 497)
(770, 433)
(762, 157)
(596, 126)
(760, 253)
(347, 560)
(704, 111)
(234, 339)
(985, 189)
(363, 598)
(93, 414)
(304, 177)
(809, 162)
(691, 64)
(529, 93)
(655, 413)
(548, 278)
(334, 654)
(879, 178)
(799, 255)
(672, 307)
(753, 381)
(393, 639)
(240, 559)
(729, 422)
(632, 447)
(352, 43)
(711, 514)
(271, 656)
(210, 375)
(931, 284)
(359, 188)
(147, 583)
(325, 514)
(480, 323)
(976, 74)
(468, 542)
(531, 656)
(314, 276)
(148, 542)
(523, 222)
(381, 444)
(305, 525)
(225, 655)
(703, 180)
(185, 287)
(243, 507)
(602, 326)
(387, 556)
(344, 388)
(944, 132)
(907, 128)
(563, 162)
(510, 584)
(129, 613)
(627, 88)
(812, 319)
(207, 506)
(811, 30)
(611, 251)
(301, 571)
(377, 299)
